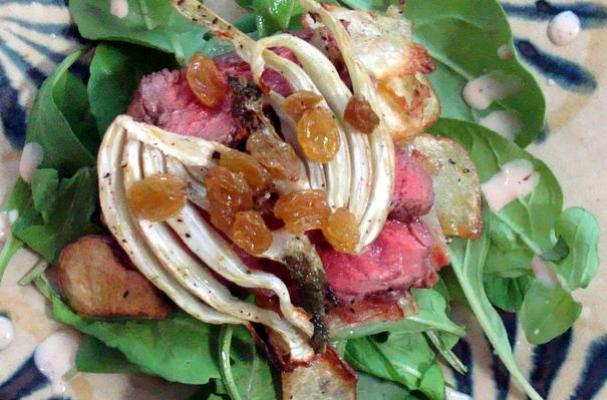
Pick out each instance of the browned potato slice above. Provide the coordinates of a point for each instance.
(327, 377)
(456, 185)
(95, 280)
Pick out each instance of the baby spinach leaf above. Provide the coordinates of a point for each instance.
(579, 230)
(61, 123)
(467, 260)
(115, 74)
(463, 37)
(63, 216)
(401, 357)
(245, 372)
(369, 387)
(150, 23)
(547, 312)
(178, 348)
(94, 356)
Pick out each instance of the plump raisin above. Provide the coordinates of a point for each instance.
(318, 135)
(360, 115)
(303, 211)
(254, 173)
(250, 232)
(227, 193)
(299, 102)
(157, 198)
(205, 80)
(341, 231)
(276, 156)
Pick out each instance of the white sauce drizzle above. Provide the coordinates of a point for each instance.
(119, 8)
(13, 216)
(542, 271)
(504, 52)
(564, 28)
(30, 160)
(516, 180)
(5, 227)
(503, 122)
(479, 93)
(7, 332)
(455, 395)
(56, 356)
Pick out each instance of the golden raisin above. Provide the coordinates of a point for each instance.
(300, 102)
(360, 115)
(276, 156)
(227, 193)
(318, 135)
(205, 80)
(254, 173)
(303, 211)
(157, 198)
(341, 231)
(250, 232)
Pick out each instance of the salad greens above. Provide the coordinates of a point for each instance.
(395, 360)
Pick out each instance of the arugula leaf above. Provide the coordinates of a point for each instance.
(245, 372)
(149, 23)
(507, 293)
(178, 348)
(402, 357)
(61, 123)
(432, 315)
(467, 260)
(547, 312)
(116, 71)
(65, 214)
(579, 231)
(370, 387)
(94, 356)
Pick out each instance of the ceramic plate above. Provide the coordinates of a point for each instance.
(36, 35)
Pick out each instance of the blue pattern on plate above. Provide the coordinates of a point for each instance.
(548, 359)
(25, 381)
(591, 15)
(594, 375)
(500, 372)
(463, 382)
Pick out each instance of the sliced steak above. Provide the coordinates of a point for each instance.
(399, 258)
(413, 193)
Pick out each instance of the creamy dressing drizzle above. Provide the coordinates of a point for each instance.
(7, 332)
(30, 160)
(564, 28)
(479, 93)
(56, 356)
(504, 52)
(119, 8)
(516, 180)
(503, 122)
(455, 395)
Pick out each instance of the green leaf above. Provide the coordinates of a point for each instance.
(432, 315)
(547, 312)
(507, 293)
(150, 23)
(116, 71)
(61, 123)
(76, 199)
(433, 383)
(178, 348)
(279, 12)
(246, 372)
(402, 358)
(45, 189)
(467, 260)
(94, 356)
(580, 231)
(463, 37)
(372, 388)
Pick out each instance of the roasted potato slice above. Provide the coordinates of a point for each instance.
(456, 185)
(96, 281)
(327, 377)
